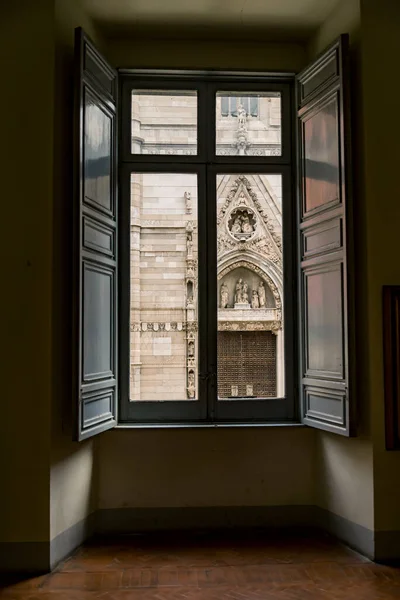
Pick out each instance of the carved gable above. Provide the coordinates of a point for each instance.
(243, 220)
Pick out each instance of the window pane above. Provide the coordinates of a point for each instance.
(224, 106)
(250, 286)
(164, 122)
(253, 127)
(164, 299)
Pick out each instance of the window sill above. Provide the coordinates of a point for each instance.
(205, 425)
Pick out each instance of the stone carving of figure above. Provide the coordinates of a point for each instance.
(237, 225)
(191, 348)
(261, 294)
(246, 225)
(245, 294)
(189, 244)
(188, 202)
(255, 303)
(224, 296)
(241, 114)
(191, 388)
(239, 291)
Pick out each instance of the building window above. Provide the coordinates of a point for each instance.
(230, 104)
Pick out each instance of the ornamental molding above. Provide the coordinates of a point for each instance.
(273, 326)
(190, 326)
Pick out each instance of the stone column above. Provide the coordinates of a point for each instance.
(135, 333)
(137, 139)
(280, 371)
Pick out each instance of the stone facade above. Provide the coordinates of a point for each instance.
(164, 242)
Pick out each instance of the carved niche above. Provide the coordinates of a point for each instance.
(242, 223)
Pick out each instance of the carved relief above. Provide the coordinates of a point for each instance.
(188, 202)
(191, 389)
(255, 269)
(273, 326)
(242, 223)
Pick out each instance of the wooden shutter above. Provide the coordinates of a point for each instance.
(324, 243)
(95, 241)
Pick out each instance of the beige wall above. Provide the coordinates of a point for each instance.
(210, 467)
(345, 473)
(26, 162)
(198, 54)
(73, 477)
(381, 49)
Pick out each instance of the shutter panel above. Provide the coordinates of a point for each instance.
(324, 244)
(95, 241)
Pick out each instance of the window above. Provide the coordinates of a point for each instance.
(230, 105)
(207, 290)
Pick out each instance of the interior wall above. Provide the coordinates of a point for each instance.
(205, 54)
(381, 49)
(73, 475)
(206, 467)
(345, 466)
(26, 151)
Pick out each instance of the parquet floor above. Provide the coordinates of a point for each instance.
(250, 566)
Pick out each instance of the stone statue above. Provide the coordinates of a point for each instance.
(261, 294)
(241, 115)
(246, 225)
(255, 303)
(239, 291)
(224, 296)
(191, 348)
(188, 202)
(237, 225)
(245, 295)
(189, 244)
(191, 388)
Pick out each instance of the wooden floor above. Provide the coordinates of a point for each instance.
(204, 567)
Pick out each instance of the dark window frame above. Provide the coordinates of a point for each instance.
(207, 408)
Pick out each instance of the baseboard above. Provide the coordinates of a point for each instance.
(133, 520)
(67, 541)
(355, 536)
(42, 557)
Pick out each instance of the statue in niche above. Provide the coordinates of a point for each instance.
(246, 225)
(237, 225)
(239, 291)
(242, 116)
(190, 302)
(188, 202)
(189, 243)
(245, 294)
(224, 296)
(242, 292)
(242, 223)
(261, 294)
(255, 302)
(191, 388)
(191, 348)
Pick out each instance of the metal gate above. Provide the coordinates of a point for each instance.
(246, 364)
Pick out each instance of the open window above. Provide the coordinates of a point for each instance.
(186, 290)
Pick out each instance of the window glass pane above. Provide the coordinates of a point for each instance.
(224, 106)
(254, 126)
(164, 299)
(164, 122)
(250, 286)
